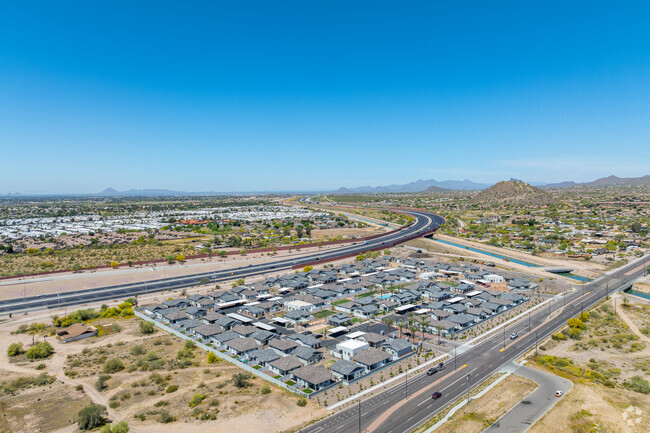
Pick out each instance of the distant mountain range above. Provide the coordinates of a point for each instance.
(604, 181)
(431, 185)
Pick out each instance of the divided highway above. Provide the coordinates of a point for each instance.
(425, 223)
(479, 362)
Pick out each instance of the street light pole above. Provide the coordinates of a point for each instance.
(535, 342)
(468, 389)
(529, 322)
(359, 416)
(407, 385)
(454, 358)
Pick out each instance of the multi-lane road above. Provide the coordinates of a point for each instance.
(425, 223)
(401, 409)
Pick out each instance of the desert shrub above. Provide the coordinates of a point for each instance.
(265, 389)
(137, 350)
(100, 385)
(212, 358)
(196, 400)
(15, 349)
(120, 427)
(241, 380)
(113, 365)
(166, 417)
(638, 384)
(147, 327)
(171, 388)
(558, 336)
(301, 402)
(40, 351)
(91, 417)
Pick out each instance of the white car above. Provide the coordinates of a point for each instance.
(514, 335)
(559, 393)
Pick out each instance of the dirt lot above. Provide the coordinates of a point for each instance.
(151, 381)
(485, 410)
(609, 365)
(345, 233)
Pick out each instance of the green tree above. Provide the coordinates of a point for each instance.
(40, 351)
(241, 380)
(91, 417)
(212, 358)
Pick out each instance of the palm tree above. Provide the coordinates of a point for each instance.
(439, 328)
(424, 322)
(401, 325)
(388, 321)
(414, 329)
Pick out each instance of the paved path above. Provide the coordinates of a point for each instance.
(522, 417)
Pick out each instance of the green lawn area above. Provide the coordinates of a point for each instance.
(365, 295)
(340, 301)
(257, 367)
(322, 314)
(290, 382)
(277, 377)
(307, 391)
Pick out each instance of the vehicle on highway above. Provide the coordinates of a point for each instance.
(559, 393)
(434, 370)
(514, 335)
(436, 395)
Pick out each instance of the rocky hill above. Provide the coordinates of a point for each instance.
(514, 192)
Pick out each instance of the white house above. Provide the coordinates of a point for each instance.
(347, 349)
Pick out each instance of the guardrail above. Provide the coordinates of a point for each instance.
(222, 356)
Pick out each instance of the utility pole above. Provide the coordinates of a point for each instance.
(454, 358)
(504, 336)
(607, 291)
(468, 389)
(529, 322)
(535, 342)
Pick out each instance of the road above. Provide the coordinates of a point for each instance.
(425, 223)
(406, 406)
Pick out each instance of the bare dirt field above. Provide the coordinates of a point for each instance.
(485, 410)
(318, 234)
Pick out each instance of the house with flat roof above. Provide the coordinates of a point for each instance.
(347, 349)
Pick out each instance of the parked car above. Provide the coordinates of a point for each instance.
(559, 393)
(514, 335)
(436, 395)
(434, 370)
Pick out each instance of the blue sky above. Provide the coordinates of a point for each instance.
(249, 96)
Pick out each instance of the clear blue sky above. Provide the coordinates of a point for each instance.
(241, 96)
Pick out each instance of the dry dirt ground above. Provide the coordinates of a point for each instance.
(485, 410)
(351, 232)
(154, 382)
(603, 360)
